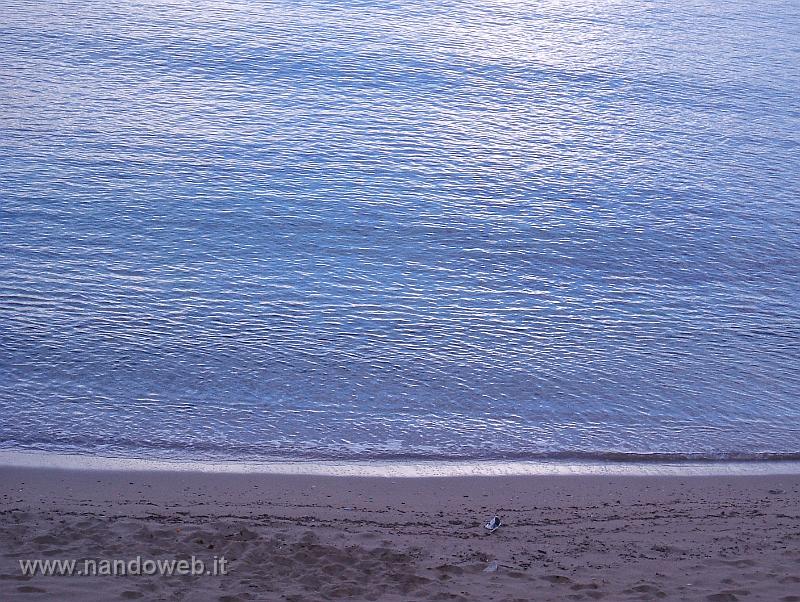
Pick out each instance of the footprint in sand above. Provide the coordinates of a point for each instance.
(646, 588)
(727, 596)
(580, 586)
(563, 579)
(740, 564)
(29, 589)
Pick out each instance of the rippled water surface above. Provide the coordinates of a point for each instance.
(426, 228)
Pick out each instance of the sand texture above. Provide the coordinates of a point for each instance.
(348, 538)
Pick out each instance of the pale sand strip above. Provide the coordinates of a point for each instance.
(399, 468)
(317, 537)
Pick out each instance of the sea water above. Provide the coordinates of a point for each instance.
(400, 229)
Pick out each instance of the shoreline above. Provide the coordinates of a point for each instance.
(304, 538)
(404, 468)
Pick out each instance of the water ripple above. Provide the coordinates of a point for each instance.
(404, 229)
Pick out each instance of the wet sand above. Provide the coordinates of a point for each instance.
(295, 537)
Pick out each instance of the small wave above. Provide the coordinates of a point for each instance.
(199, 451)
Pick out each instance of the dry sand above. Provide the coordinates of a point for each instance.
(356, 538)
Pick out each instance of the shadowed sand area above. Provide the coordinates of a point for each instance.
(309, 537)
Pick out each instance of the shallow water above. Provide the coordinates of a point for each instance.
(404, 229)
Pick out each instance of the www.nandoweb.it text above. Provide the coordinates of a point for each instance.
(119, 568)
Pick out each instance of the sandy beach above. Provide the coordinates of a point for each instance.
(295, 537)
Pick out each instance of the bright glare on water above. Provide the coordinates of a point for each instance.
(416, 228)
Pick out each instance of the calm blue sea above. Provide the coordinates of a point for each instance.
(413, 228)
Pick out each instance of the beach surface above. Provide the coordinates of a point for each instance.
(310, 537)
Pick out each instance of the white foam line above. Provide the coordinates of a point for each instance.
(31, 459)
